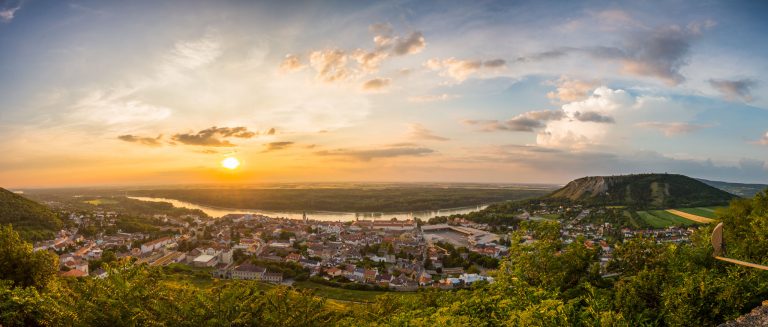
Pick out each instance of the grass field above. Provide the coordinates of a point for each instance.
(707, 212)
(662, 219)
(98, 202)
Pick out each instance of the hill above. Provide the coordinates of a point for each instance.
(740, 189)
(644, 191)
(31, 219)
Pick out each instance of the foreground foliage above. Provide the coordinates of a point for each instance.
(542, 283)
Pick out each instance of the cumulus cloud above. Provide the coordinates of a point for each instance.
(8, 10)
(411, 44)
(330, 65)
(376, 84)
(369, 154)
(214, 136)
(334, 65)
(291, 63)
(569, 90)
(271, 131)
(273, 146)
(461, 69)
(525, 122)
(432, 98)
(148, 141)
(734, 89)
(585, 128)
(419, 132)
(672, 129)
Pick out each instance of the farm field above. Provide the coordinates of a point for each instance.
(662, 219)
(98, 202)
(692, 217)
(706, 212)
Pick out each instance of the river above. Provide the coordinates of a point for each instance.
(316, 215)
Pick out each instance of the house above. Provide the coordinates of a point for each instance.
(99, 273)
(248, 271)
(453, 271)
(155, 245)
(293, 257)
(370, 275)
(273, 278)
(333, 272)
(205, 260)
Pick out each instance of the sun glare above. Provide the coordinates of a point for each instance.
(230, 163)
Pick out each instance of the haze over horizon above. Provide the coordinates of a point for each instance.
(146, 93)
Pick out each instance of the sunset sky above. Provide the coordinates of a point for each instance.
(160, 92)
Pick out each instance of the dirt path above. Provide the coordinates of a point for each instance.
(698, 219)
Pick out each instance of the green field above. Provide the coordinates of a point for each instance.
(98, 202)
(707, 212)
(661, 219)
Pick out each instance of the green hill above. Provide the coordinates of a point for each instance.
(650, 191)
(740, 189)
(31, 219)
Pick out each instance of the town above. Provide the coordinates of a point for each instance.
(398, 255)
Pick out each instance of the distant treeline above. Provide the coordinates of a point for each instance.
(361, 200)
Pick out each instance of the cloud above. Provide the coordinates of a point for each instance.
(369, 154)
(273, 146)
(271, 131)
(569, 90)
(672, 129)
(525, 122)
(763, 140)
(460, 70)
(419, 132)
(8, 10)
(148, 141)
(376, 84)
(330, 65)
(546, 55)
(659, 53)
(214, 136)
(734, 89)
(412, 44)
(112, 107)
(292, 63)
(335, 65)
(432, 98)
(591, 116)
(195, 53)
(584, 128)
(495, 63)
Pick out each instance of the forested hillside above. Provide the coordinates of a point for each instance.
(31, 219)
(647, 191)
(544, 283)
(395, 199)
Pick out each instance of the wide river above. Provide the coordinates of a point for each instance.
(316, 215)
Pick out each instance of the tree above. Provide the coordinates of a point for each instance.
(21, 265)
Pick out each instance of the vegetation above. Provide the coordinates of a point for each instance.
(543, 283)
(740, 189)
(644, 191)
(30, 219)
(662, 219)
(396, 199)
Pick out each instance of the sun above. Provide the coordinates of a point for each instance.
(230, 163)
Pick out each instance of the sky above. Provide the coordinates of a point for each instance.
(160, 92)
